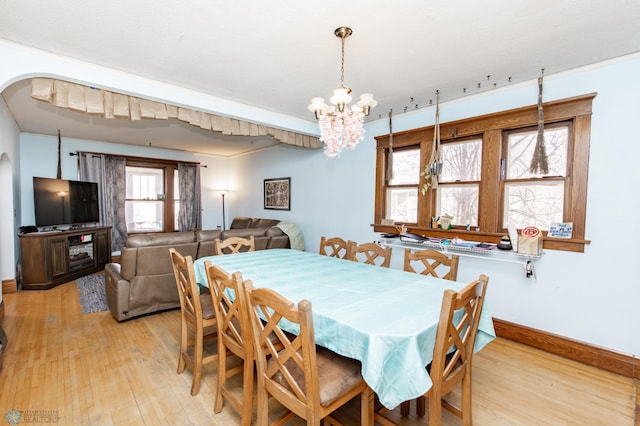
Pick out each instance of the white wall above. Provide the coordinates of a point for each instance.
(591, 296)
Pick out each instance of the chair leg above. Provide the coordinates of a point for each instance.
(367, 402)
(421, 408)
(466, 400)
(435, 411)
(262, 405)
(222, 376)
(247, 393)
(404, 408)
(183, 347)
(197, 363)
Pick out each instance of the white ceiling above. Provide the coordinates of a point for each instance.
(277, 54)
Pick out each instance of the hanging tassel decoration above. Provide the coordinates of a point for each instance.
(59, 175)
(389, 171)
(540, 161)
(435, 154)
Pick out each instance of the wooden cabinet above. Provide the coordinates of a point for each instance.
(58, 256)
(52, 258)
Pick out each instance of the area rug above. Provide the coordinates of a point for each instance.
(92, 294)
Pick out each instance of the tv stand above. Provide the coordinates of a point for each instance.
(56, 257)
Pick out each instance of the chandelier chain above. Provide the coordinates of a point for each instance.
(342, 63)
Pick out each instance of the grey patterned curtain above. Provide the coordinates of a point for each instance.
(91, 169)
(110, 175)
(190, 215)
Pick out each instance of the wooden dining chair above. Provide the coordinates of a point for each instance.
(233, 245)
(371, 253)
(333, 247)
(431, 262)
(453, 353)
(310, 381)
(197, 319)
(234, 339)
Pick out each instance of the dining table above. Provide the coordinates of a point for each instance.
(386, 318)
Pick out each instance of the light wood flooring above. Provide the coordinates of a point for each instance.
(87, 369)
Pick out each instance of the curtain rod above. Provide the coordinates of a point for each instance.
(129, 157)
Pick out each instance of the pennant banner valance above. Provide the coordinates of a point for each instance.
(108, 104)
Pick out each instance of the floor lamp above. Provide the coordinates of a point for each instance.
(223, 192)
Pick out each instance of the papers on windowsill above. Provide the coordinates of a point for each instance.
(455, 243)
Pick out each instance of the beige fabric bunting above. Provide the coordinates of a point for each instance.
(112, 105)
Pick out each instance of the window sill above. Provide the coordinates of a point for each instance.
(563, 244)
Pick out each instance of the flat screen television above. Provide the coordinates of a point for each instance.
(65, 202)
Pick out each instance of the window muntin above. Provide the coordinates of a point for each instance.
(530, 199)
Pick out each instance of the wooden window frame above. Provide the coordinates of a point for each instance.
(168, 167)
(490, 129)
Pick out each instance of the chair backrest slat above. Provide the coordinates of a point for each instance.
(233, 245)
(333, 247)
(431, 262)
(370, 253)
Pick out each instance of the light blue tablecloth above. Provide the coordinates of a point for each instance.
(383, 317)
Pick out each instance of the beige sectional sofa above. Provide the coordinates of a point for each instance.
(143, 281)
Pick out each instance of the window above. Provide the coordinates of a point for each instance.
(485, 182)
(152, 196)
(144, 206)
(402, 189)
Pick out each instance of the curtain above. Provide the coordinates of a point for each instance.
(190, 215)
(91, 169)
(110, 175)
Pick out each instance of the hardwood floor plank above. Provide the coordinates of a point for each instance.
(93, 370)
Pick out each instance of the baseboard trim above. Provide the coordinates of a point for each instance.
(9, 286)
(596, 356)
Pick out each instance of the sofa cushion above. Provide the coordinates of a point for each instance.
(152, 293)
(156, 260)
(275, 232)
(165, 238)
(244, 233)
(128, 262)
(241, 223)
(263, 223)
(208, 235)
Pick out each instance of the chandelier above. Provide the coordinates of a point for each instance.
(341, 126)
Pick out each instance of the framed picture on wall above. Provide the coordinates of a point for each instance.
(277, 194)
